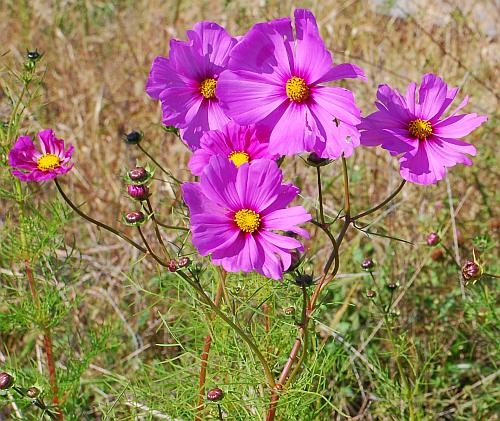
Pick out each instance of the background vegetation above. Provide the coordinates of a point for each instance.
(127, 338)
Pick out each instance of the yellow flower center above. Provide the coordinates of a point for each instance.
(239, 157)
(48, 161)
(247, 220)
(419, 128)
(207, 88)
(297, 89)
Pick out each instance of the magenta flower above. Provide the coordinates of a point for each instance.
(414, 127)
(276, 80)
(46, 164)
(239, 144)
(185, 82)
(233, 213)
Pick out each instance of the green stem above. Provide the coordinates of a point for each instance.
(382, 204)
(239, 330)
(95, 222)
(320, 196)
(168, 173)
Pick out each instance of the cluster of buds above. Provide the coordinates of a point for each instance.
(7, 381)
(183, 262)
(137, 179)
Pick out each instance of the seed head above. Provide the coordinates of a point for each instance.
(133, 138)
(6, 381)
(368, 264)
(433, 239)
(215, 395)
(138, 192)
(33, 392)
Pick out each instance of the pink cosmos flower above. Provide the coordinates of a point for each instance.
(415, 128)
(185, 82)
(52, 159)
(275, 80)
(239, 144)
(233, 212)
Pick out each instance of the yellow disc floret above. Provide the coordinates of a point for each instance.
(421, 129)
(207, 88)
(48, 161)
(247, 220)
(239, 157)
(297, 89)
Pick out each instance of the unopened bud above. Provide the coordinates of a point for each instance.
(215, 395)
(303, 280)
(135, 218)
(368, 264)
(371, 293)
(133, 138)
(289, 311)
(433, 239)
(138, 192)
(6, 381)
(184, 262)
(437, 254)
(33, 55)
(33, 392)
(392, 286)
(138, 174)
(172, 266)
(315, 160)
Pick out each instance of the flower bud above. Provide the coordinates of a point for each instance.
(184, 262)
(289, 311)
(314, 160)
(367, 264)
(437, 254)
(215, 395)
(135, 217)
(371, 293)
(392, 286)
(6, 381)
(33, 55)
(138, 192)
(138, 174)
(33, 392)
(303, 280)
(172, 266)
(433, 239)
(133, 138)
(471, 270)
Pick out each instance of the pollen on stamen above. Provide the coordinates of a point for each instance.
(421, 129)
(247, 220)
(48, 161)
(207, 88)
(297, 89)
(239, 157)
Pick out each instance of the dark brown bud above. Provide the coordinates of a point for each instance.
(135, 217)
(33, 392)
(133, 138)
(433, 239)
(392, 286)
(437, 254)
(6, 381)
(368, 264)
(215, 395)
(184, 262)
(371, 293)
(303, 280)
(316, 161)
(471, 270)
(172, 266)
(138, 174)
(289, 311)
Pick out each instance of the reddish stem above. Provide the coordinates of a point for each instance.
(266, 309)
(47, 345)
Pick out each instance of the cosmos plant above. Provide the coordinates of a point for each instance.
(241, 105)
